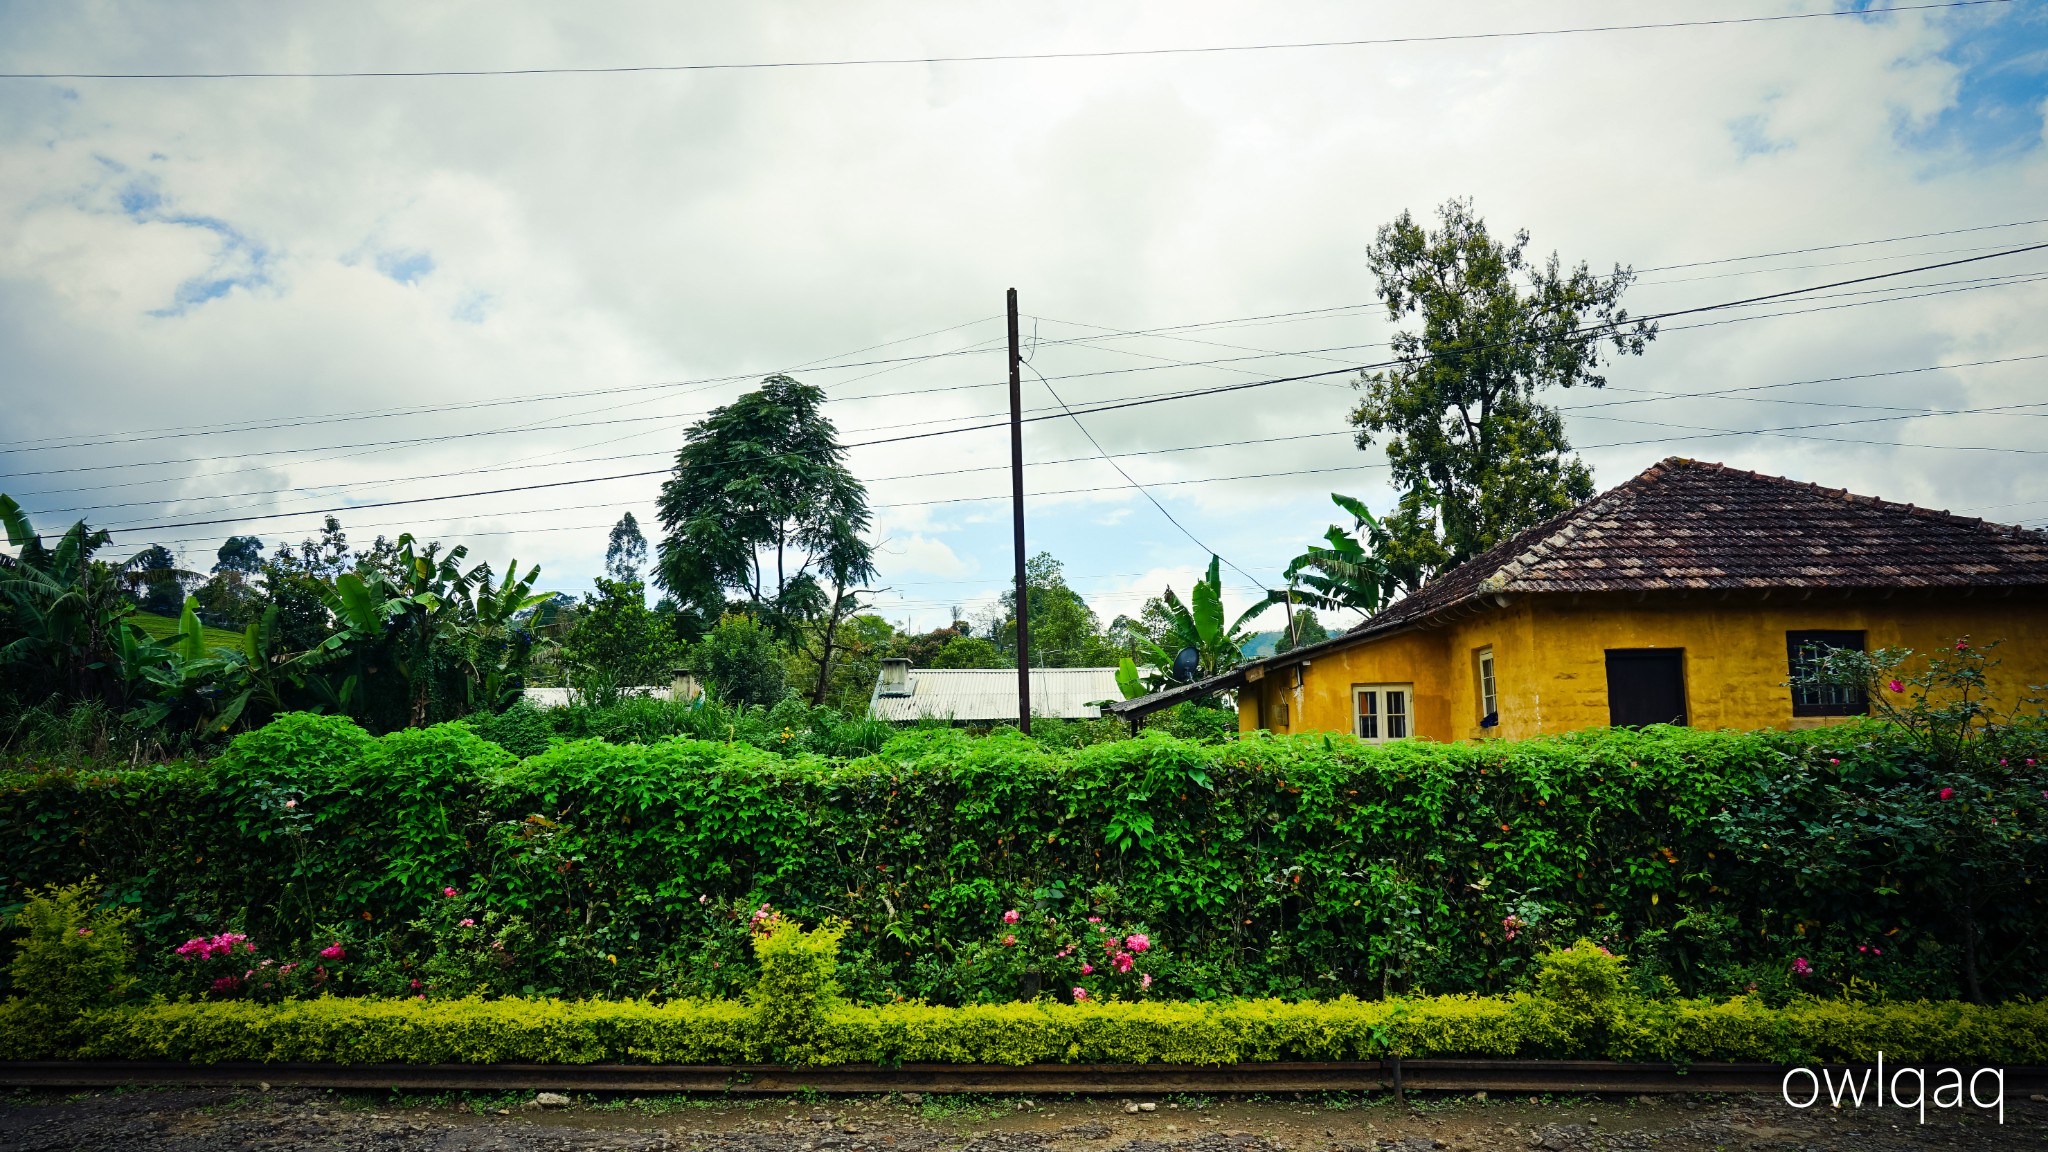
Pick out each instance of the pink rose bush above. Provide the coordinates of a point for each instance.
(228, 965)
(1092, 957)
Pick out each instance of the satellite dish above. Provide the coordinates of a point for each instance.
(1186, 663)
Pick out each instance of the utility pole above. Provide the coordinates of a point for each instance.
(1017, 518)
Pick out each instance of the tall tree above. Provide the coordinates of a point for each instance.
(1474, 451)
(242, 554)
(626, 552)
(761, 504)
(229, 596)
(1065, 632)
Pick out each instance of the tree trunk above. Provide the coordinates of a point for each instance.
(825, 656)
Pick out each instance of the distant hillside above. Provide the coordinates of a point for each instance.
(165, 627)
(1260, 645)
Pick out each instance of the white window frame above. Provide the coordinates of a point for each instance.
(1381, 714)
(1489, 691)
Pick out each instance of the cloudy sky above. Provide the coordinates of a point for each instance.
(227, 298)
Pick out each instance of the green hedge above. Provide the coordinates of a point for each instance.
(727, 1032)
(1293, 867)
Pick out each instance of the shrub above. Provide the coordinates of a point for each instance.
(1294, 867)
(522, 729)
(728, 1032)
(72, 955)
(798, 986)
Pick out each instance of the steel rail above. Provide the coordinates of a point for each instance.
(1505, 1076)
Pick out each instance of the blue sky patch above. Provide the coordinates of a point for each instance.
(238, 260)
(473, 307)
(406, 267)
(1753, 137)
(2003, 86)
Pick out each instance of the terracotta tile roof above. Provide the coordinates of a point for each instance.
(1689, 524)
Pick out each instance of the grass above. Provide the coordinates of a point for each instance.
(165, 627)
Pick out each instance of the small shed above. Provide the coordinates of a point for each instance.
(988, 695)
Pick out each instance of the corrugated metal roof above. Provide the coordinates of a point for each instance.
(560, 697)
(982, 695)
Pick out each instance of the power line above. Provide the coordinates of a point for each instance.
(1067, 412)
(989, 58)
(1847, 244)
(1142, 490)
(1655, 396)
(827, 363)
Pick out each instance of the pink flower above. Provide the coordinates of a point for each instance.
(1123, 962)
(1877, 951)
(333, 951)
(85, 931)
(286, 970)
(291, 803)
(227, 983)
(1832, 760)
(1863, 947)
(1895, 686)
(1138, 943)
(1095, 919)
(447, 891)
(1087, 969)
(1947, 792)
(1962, 644)
(1080, 994)
(1010, 917)
(248, 947)
(1009, 940)
(705, 899)
(1145, 981)
(466, 923)
(1801, 968)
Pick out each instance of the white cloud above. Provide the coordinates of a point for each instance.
(442, 242)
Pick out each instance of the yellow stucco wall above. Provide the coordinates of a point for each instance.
(1550, 658)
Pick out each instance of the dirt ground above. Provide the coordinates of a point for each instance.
(228, 1120)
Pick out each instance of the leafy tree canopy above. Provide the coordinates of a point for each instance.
(626, 552)
(742, 662)
(1065, 632)
(1475, 453)
(619, 640)
(760, 504)
(242, 554)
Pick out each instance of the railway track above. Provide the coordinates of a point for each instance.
(1400, 1076)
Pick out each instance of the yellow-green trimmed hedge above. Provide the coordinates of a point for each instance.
(727, 1032)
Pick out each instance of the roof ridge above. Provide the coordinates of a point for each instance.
(1875, 502)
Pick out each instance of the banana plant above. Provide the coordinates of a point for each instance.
(497, 640)
(184, 677)
(69, 607)
(1348, 575)
(1197, 624)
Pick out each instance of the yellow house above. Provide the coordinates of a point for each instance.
(1687, 595)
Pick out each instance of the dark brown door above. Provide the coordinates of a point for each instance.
(1645, 686)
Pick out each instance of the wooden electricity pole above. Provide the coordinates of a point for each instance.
(1017, 519)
